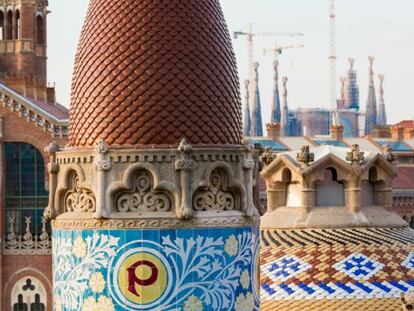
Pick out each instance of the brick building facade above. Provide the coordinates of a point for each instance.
(29, 120)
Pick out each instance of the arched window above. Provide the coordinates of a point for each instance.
(9, 26)
(25, 195)
(40, 30)
(17, 25)
(28, 293)
(329, 191)
(293, 192)
(1, 25)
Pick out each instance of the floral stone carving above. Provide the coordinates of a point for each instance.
(217, 196)
(79, 199)
(144, 198)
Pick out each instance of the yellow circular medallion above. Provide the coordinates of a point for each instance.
(142, 278)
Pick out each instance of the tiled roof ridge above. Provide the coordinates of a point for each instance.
(36, 112)
(154, 72)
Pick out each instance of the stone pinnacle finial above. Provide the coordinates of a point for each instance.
(351, 63)
(355, 156)
(381, 87)
(285, 92)
(246, 87)
(343, 80)
(256, 71)
(371, 68)
(305, 157)
(276, 68)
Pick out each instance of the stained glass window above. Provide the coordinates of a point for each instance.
(25, 195)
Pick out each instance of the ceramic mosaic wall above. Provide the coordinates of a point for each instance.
(171, 269)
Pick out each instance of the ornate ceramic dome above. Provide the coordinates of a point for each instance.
(154, 72)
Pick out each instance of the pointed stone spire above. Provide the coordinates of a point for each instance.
(351, 95)
(382, 113)
(371, 111)
(257, 124)
(284, 122)
(276, 98)
(247, 122)
(341, 101)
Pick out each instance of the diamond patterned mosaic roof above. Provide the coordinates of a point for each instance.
(155, 72)
(327, 269)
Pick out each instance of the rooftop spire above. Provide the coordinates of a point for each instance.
(382, 113)
(341, 102)
(257, 124)
(247, 123)
(276, 98)
(285, 111)
(351, 98)
(371, 111)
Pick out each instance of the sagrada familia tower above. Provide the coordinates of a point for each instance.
(152, 200)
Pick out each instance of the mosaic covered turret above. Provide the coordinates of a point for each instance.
(152, 201)
(329, 239)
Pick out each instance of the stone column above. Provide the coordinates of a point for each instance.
(308, 199)
(276, 196)
(353, 196)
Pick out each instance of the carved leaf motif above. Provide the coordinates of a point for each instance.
(216, 196)
(79, 199)
(144, 198)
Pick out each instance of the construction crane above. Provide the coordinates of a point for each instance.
(332, 63)
(250, 45)
(277, 50)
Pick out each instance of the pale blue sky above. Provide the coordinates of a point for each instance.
(382, 28)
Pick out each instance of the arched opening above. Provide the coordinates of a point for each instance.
(293, 193)
(17, 25)
(9, 26)
(329, 191)
(218, 195)
(40, 30)
(1, 25)
(25, 192)
(28, 293)
(368, 188)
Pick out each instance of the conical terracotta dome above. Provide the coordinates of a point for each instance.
(155, 72)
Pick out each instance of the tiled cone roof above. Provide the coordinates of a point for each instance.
(155, 72)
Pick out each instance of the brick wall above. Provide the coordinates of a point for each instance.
(12, 268)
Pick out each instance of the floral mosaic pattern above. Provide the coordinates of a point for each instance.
(210, 269)
(74, 264)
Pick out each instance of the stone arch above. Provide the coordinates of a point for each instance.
(40, 30)
(219, 191)
(9, 25)
(29, 283)
(141, 190)
(2, 33)
(17, 25)
(73, 193)
(330, 192)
